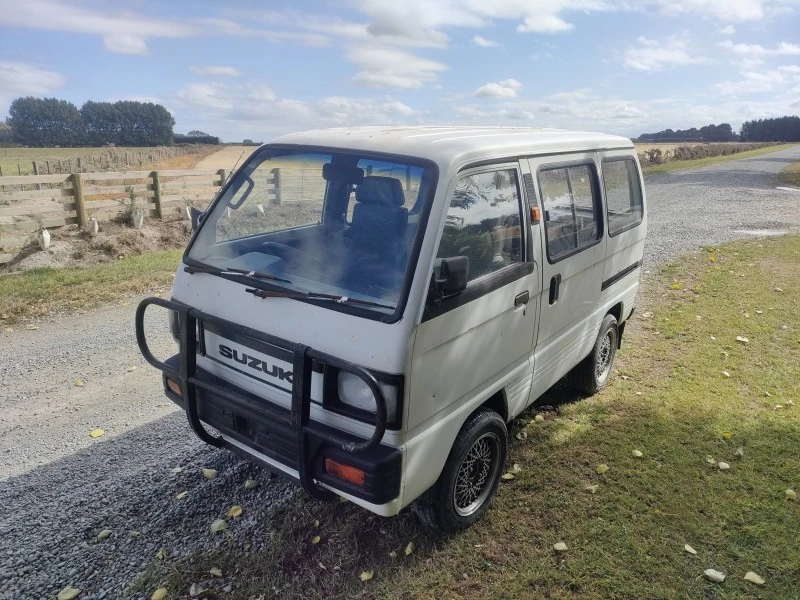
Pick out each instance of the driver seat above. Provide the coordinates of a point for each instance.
(377, 234)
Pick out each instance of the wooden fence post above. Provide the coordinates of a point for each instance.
(36, 172)
(222, 176)
(276, 185)
(80, 205)
(157, 194)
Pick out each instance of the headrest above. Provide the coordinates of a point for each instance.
(380, 190)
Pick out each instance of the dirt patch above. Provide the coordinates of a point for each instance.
(73, 247)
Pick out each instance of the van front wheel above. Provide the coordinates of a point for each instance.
(592, 374)
(470, 476)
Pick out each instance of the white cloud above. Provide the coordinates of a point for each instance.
(757, 51)
(21, 79)
(729, 30)
(652, 55)
(507, 88)
(484, 43)
(256, 111)
(217, 71)
(116, 26)
(762, 82)
(392, 68)
(121, 43)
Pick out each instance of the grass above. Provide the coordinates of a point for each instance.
(674, 404)
(40, 292)
(791, 174)
(680, 165)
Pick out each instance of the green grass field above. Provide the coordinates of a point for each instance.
(680, 165)
(686, 394)
(40, 292)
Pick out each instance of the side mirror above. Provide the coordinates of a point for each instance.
(195, 216)
(450, 276)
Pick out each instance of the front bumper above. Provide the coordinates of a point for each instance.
(268, 432)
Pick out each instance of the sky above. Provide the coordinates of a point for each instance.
(240, 69)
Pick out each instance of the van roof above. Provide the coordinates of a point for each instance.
(456, 145)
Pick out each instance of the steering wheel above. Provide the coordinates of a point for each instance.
(293, 255)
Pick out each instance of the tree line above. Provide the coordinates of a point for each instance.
(47, 122)
(783, 129)
(780, 129)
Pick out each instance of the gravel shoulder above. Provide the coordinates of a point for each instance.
(59, 487)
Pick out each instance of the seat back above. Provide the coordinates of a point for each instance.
(379, 218)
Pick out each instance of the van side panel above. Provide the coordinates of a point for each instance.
(625, 249)
(569, 321)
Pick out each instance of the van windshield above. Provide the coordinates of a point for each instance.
(323, 222)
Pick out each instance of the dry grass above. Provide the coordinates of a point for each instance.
(679, 165)
(15, 161)
(791, 174)
(626, 540)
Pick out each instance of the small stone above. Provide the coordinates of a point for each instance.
(637, 453)
(715, 576)
(790, 495)
(560, 547)
(539, 418)
(723, 466)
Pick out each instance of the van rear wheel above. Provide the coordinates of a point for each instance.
(592, 373)
(470, 477)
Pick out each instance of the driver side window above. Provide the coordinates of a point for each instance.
(483, 222)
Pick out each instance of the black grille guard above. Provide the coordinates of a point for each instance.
(310, 435)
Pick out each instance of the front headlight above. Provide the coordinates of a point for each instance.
(354, 391)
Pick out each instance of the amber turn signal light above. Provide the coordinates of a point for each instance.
(536, 214)
(345, 472)
(174, 387)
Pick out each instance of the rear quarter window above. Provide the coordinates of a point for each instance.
(623, 195)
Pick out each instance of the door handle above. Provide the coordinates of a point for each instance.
(522, 298)
(555, 284)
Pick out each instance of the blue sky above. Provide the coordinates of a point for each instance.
(258, 69)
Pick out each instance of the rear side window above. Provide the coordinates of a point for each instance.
(623, 195)
(483, 222)
(571, 209)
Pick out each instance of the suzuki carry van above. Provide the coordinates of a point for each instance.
(365, 309)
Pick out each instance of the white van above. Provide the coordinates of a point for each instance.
(364, 310)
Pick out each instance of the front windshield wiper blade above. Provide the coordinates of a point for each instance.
(316, 296)
(233, 271)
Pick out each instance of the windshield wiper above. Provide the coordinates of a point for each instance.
(316, 296)
(233, 271)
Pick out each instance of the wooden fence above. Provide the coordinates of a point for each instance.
(30, 202)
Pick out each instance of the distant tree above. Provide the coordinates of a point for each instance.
(781, 129)
(179, 138)
(247, 142)
(197, 133)
(709, 133)
(127, 123)
(45, 122)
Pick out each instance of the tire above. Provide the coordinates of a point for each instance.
(484, 440)
(593, 372)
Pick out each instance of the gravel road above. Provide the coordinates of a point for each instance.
(59, 487)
